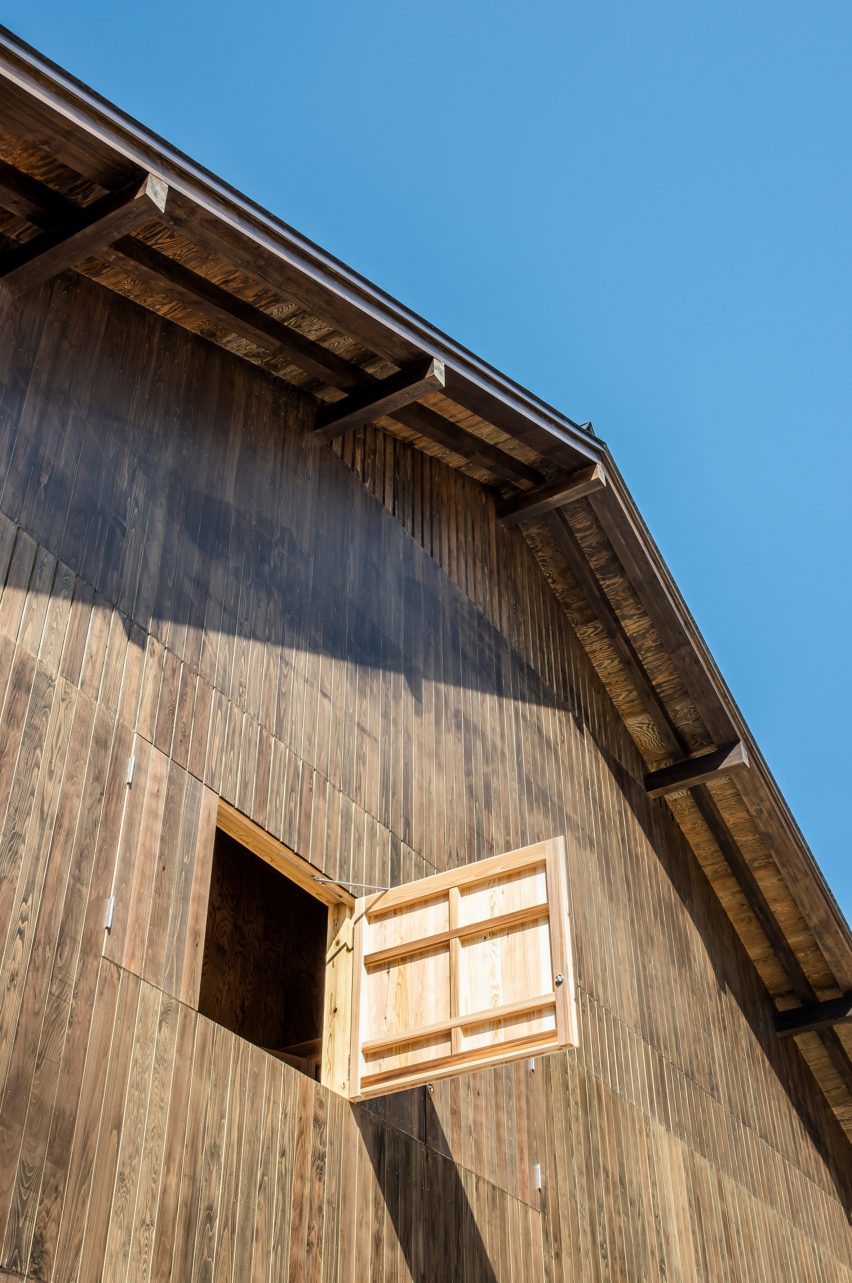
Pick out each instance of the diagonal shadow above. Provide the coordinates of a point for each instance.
(207, 563)
(432, 1217)
(160, 473)
(726, 954)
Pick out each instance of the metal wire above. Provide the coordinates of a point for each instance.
(333, 882)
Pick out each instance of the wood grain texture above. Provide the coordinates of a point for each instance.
(53, 252)
(235, 259)
(196, 586)
(529, 505)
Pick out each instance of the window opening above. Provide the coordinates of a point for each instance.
(263, 971)
(463, 969)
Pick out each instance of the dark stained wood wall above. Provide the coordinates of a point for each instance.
(353, 652)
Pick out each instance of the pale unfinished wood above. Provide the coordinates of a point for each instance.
(427, 888)
(455, 934)
(450, 1066)
(467, 968)
(337, 1009)
(281, 857)
(460, 1021)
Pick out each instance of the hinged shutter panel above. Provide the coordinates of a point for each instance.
(464, 969)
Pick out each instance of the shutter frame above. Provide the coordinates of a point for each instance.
(532, 939)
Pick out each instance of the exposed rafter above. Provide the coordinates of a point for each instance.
(671, 737)
(813, 1016)
(467, 445)
(100, 224)
(41, 205)
(552, 495)
(658, 597)
(34, 201)
(515, 412)
(180, 283)
(218, 218)
(44, 207)
(566, 541)
(750, 888)
(383, 398)
(697, 770)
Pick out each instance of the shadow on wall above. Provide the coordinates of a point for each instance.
(733, 972)
(431, 1215)
(186, 489)
(363, 593)
(165, 475)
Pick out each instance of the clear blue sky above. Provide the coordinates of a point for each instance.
(640, 211)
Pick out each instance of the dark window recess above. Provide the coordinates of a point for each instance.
(264, 957)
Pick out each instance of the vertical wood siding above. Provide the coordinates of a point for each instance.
(372, 669)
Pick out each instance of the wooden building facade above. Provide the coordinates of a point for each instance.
(297, 594)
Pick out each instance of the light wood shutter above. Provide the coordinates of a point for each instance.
(464, 969)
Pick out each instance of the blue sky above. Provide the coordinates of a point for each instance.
(640, 211)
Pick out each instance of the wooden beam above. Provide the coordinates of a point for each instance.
(100, 145)
(343, 308)
(41, 118)
(570, 548)
(783, 950)
(552, 495)
(671, 741)
(41, 205)
(751, 890)
(44, 207)
(813, 1016)
(36, 202)
(435, 427)
(180, 283)
(382, 398)
(520, 414)
(659, 597)
(685, 647)
(281, 857)
(696, 770)
(104, 221)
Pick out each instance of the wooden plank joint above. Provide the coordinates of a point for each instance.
(697, 770)
(383, 398)
(551, 495)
